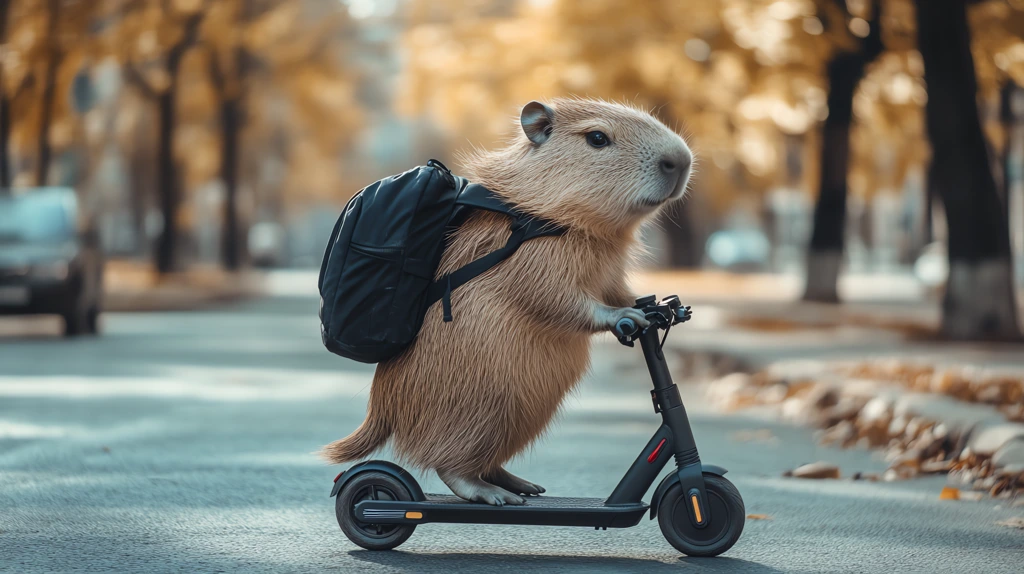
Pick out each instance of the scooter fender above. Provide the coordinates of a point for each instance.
(384, 466)
(673, 478)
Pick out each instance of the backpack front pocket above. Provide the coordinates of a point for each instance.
(369, 298)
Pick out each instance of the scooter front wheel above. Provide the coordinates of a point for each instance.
(371, 486)
(724, 529)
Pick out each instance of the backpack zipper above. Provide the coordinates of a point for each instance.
(371, 250)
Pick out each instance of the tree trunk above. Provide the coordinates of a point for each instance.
(931, 194)
(683, 249)
(231, 241)
(1009, 121)
(980, 302)
(49, 90)
(168, 185)
(5, 108)
(232, 92)
(683, 246)
(167, 189)
(826, 249)
(140, 166)
(825, 252)
(5, 139)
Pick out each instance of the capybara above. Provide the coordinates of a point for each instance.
(470, 394)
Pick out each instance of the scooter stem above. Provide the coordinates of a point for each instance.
(668, 402)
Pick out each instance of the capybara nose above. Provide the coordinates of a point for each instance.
(672, 164)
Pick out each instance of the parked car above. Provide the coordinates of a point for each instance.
(740, 250)
(50, 261)
(267, 244)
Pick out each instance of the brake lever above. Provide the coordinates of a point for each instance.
(656, 320)
(682, 314)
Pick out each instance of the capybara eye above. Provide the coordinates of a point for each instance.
(597, 139)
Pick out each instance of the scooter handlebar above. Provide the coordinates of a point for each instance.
(626, 327)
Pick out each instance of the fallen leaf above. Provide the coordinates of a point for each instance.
(761, 435)
(949, 493)
(933, 466)
(1015, 522)
(817, 470)
(758, 517)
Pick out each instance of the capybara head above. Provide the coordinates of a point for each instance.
(587, 163)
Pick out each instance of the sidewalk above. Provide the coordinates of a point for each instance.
(131, 286)
(868, 372)
(761, 319)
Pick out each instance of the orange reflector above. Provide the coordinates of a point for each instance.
(414, 515)
(696, 508)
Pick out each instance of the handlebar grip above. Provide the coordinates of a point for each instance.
(625, 327)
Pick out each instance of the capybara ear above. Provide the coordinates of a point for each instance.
(537, 120)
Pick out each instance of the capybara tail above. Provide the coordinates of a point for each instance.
(370, 436)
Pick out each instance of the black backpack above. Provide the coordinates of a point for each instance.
(377, 277)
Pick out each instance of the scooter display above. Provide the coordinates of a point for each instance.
(379, 504)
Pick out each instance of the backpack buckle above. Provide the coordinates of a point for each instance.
(521, 225)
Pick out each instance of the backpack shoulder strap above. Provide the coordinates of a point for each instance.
(524, 228)
(476, 196)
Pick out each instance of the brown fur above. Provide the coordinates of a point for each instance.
(471, 394)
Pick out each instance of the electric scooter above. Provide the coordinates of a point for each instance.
(379, 504)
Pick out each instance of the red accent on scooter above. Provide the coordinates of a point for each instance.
(657, 450)
(343, 472)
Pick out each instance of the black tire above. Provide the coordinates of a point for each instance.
(377, 486)
(81, 320)
(727, 517)
(76, 322)
(92, 321)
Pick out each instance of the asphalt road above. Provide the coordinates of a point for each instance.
(184, 442)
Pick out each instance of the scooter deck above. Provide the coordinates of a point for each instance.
(538, 510)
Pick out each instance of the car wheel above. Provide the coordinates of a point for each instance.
(81, 319)
(92, 320)
(75, 322)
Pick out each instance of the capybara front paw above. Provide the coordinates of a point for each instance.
(616, 315)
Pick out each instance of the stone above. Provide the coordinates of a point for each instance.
(1010, 453)
(987, 440)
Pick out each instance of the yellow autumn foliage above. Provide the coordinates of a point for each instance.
(744, 79)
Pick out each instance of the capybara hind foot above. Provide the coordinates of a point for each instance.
(512, 483)
(476, 490)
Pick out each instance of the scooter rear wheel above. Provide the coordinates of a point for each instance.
(724, 529)
(371, 486)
